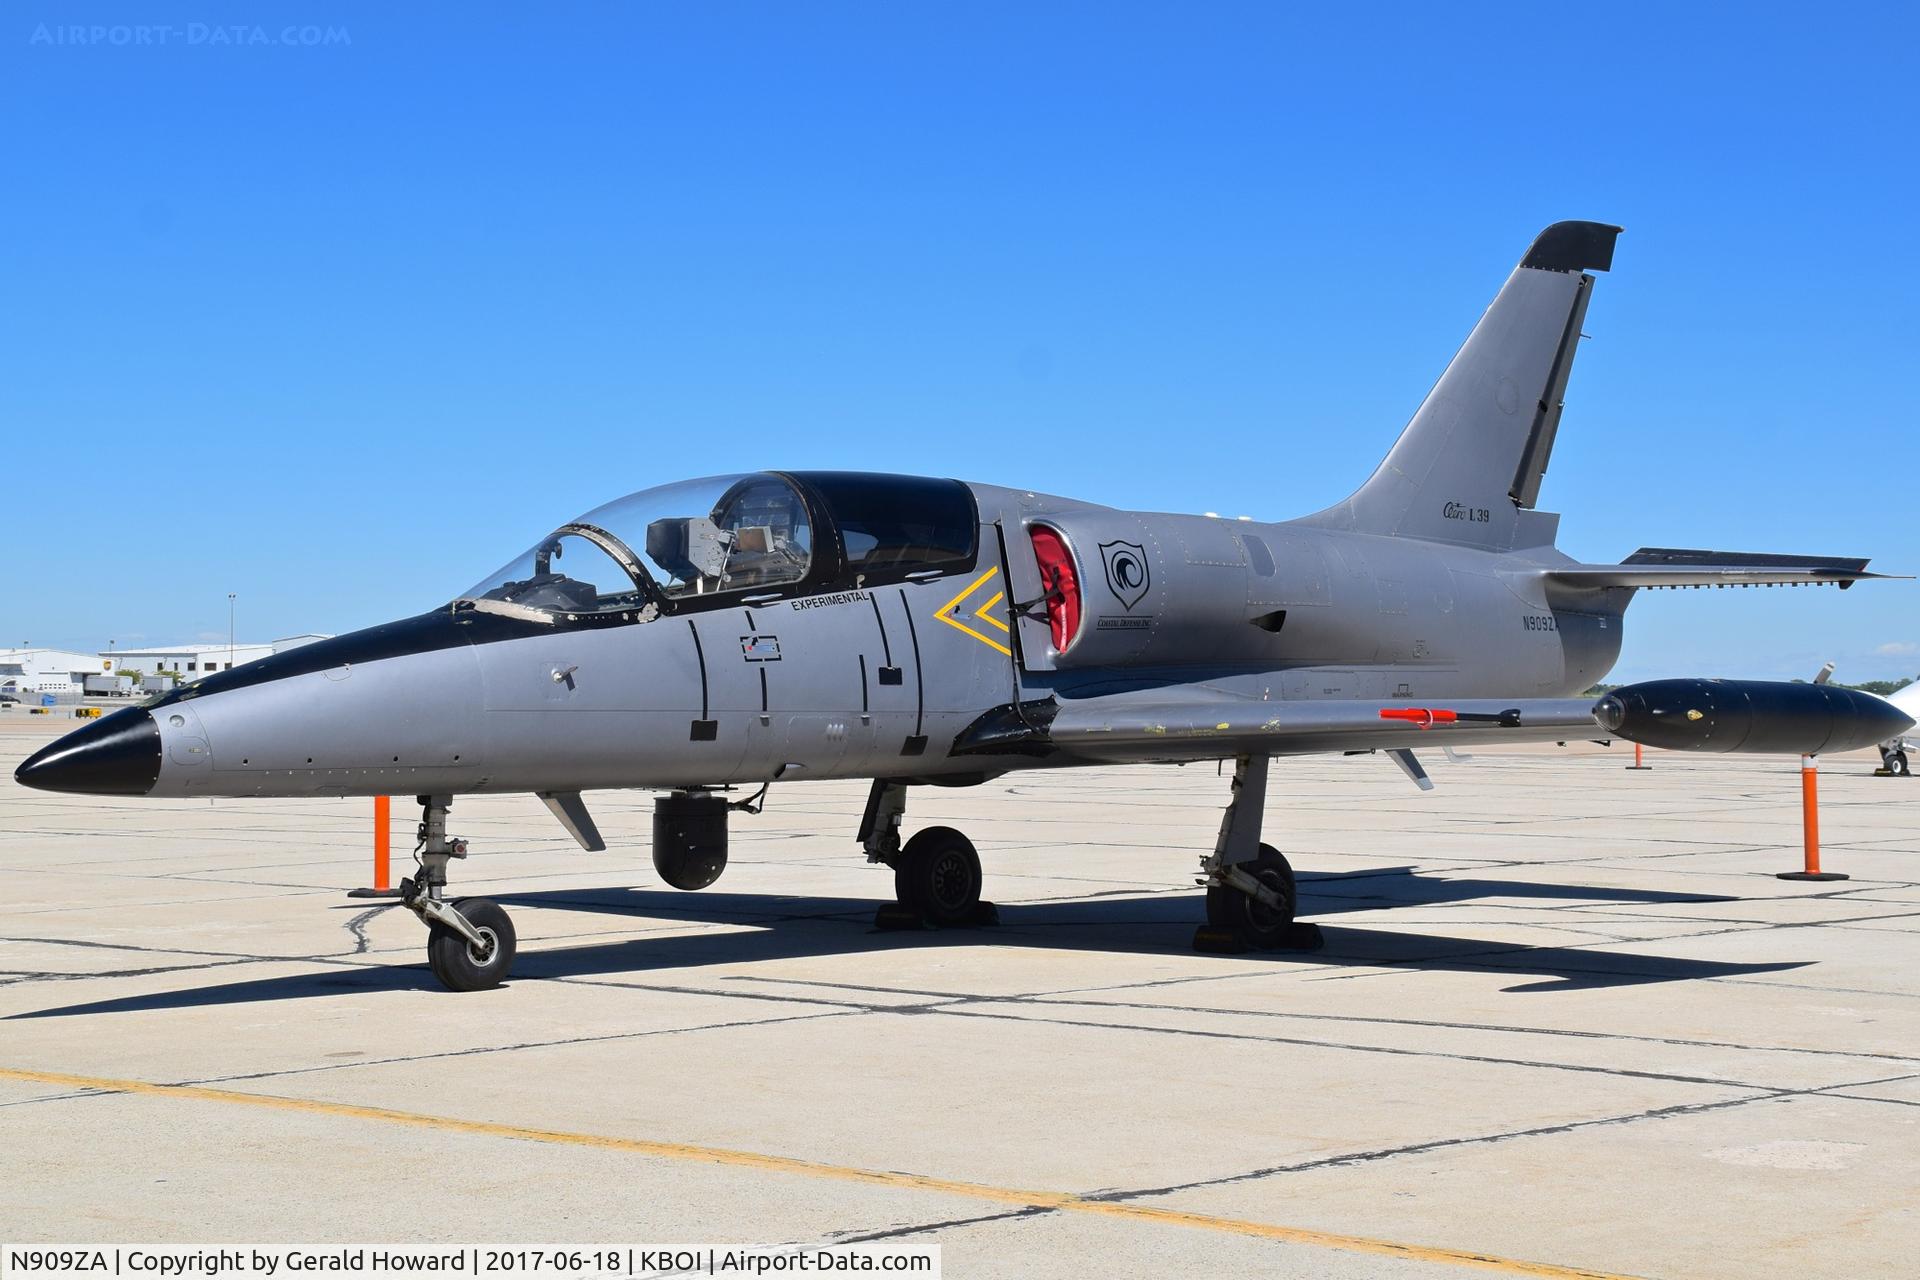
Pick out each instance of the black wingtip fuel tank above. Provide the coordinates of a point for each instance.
(1749, 716)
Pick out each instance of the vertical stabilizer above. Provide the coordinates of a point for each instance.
(1468, 467)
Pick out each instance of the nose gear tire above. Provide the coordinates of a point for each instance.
(462, 966)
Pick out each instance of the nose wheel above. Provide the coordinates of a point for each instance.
(464, 964)
(471, 942)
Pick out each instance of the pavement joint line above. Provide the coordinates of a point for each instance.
(1749, 926)
(921, 1228)
(1066, 996)
(1480, 958)
(129, 946)
(1384, 968)
(1819, 987)
(345, 961)
(851, 1006)
(941, 1002)
(1863, 1097)
(1349, 1047)
(70, 1096)
(172, 902)
(61, 975)
(1435, 1024)
(1058, 1201)
(475, 1051)
(1542, 1131)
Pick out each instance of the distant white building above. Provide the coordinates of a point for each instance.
(57, 671)
(191, 661)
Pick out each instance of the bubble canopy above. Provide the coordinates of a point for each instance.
(739, 538)
(690, 539)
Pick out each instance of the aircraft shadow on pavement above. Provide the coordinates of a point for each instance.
(779, 927)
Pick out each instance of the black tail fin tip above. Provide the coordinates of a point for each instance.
(1573, 246)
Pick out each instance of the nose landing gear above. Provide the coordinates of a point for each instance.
(476, 957)
(470, 943)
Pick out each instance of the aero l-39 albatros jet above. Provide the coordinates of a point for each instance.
(783, 626)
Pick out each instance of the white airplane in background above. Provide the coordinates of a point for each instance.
(1893, 752)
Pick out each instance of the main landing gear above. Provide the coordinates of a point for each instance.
(936, 874)
(470, 942)
(1251, 896)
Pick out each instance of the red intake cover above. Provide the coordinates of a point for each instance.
(1062, 584)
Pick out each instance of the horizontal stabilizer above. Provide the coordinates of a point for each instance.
(1675, 567)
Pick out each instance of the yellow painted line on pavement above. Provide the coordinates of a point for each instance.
(1063, 1201)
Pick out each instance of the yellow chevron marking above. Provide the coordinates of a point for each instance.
(945, 613)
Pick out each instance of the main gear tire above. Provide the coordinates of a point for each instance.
(1257, 924)
(937, 876)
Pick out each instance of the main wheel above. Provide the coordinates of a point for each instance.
(465, 966)
(1897, 764)
(937, 875)
(1258, 924)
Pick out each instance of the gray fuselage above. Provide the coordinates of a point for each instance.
(850, 679)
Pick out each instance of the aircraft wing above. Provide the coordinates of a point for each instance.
(1119, 730)
(1677, 567)
(1755, 716)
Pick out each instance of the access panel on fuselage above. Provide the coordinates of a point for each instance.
(859, 680)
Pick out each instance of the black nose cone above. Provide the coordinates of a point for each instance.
(1883, 721)
(117, 755)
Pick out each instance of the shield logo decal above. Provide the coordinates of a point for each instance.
(1127, 575)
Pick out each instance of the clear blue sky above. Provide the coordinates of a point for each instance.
(343, 327)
